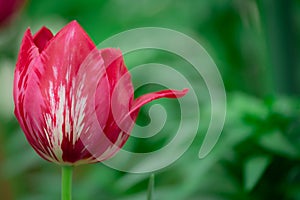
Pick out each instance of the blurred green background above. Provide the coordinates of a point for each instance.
(255, 44)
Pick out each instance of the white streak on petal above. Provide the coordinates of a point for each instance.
(78, 111)
(55, 73)
(51, 96)
(67, 100)
(67, 123)
(60, 113)
(68, 76)
(47, 136)
(55, 119)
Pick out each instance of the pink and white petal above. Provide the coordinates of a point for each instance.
(28, 110)
(91, 96)
(27, 59)
(28, 52)
(42, 37)
(71, 120)
(66, 51)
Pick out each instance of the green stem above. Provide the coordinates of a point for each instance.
(66, 183)
(150, 187)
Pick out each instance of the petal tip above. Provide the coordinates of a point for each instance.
(28, 33)
(43, 30)
(182, 92)
(74, 24)
(42, 37)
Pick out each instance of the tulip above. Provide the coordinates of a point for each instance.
(75, 103)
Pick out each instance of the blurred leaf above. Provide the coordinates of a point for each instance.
(6, 85)
(276, 142)
(254, 169)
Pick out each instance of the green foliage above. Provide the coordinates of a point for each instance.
(254, 169)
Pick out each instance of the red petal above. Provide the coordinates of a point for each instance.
(121, 95)
(116, 69)
(42, 37)
(121, 89)
(139, 102)
(27, 56)
(24, 76)
(27, 53)
(67, 49)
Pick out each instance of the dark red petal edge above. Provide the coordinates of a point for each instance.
(42, 37)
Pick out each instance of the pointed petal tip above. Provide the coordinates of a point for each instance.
(74, 28)
(74, 24)
(42, 37)
(169, 93)
(43, 30)
(70, 36)
(140, 101)
(180, 93)
(27, 33)
(26, 52)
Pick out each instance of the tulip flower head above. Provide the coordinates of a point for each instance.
(75, 103)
